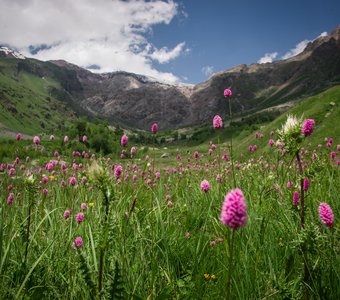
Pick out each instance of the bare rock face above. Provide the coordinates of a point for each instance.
(138, 101)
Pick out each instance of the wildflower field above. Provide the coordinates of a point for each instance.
(213, 223)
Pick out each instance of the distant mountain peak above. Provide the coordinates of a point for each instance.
(7, 52)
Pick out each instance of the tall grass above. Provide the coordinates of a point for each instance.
(138, 246)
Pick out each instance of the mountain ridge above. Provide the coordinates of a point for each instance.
(136, 101)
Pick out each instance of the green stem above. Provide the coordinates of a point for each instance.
(230, 265)
(302, 214)
(103, 246)
(28, 232)
(231, 144)
(306, 276)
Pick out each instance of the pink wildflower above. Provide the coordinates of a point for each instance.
(67, 214)
(289, 184)
(118, 171)
(65, 139)
(84, 139)
(124, 140)
(296, 198)
(11, 172)
(227, 93)
(36, 140)
(133, 151)
(18, 136)
(308, 127)
(80, 217)
(212, 243)
(83, 206)
(205, 186)
(326, 214)
(78, 242)
(10, 199)
(217, 122)
(271, 143)
(196, 154)
(72, 180)
(234, 210)
(154, 128)
(305, 184)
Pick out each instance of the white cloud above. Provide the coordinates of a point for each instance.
(164, 55)
(267, 58)
(207, 70)
(110, 34)
(301, 46)
(296, 50)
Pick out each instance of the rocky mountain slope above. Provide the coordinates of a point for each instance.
(137, 101)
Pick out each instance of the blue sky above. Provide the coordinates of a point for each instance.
(183, 41)
(227, 33)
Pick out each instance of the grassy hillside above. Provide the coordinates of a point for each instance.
(324, 108)
(29, 93)
(27, 102)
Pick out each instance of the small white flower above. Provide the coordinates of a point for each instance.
(291, 124)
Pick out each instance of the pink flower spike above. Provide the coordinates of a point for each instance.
(154, 128)
(305, 184)
(124, 140)
(78, 242)
(36, 140)
(205, 186)
(308, 127)
(10, 199)
(217, 122)
(296, 198)
(18, 136)
(227, 93)
(67, 214)
(80, 217)
(234, 210)
(72, 180)
(326, 214)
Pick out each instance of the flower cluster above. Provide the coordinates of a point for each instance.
(293, 132)
(234, 210)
